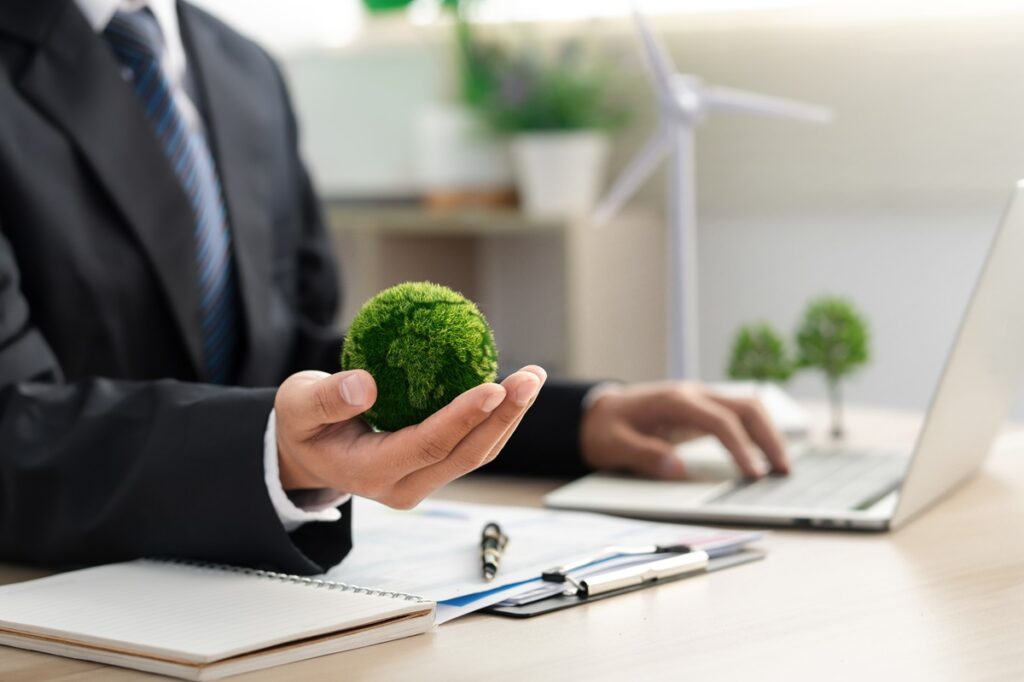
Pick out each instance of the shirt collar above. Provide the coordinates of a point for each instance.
(99, 13)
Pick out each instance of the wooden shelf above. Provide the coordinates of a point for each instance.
(415, 218)
(556, 292)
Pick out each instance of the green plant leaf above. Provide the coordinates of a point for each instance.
(526, 89)
(380, 6)
(759, 353)
(832, 337)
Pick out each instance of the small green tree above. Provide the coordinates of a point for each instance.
(833, 337)
(759, 353)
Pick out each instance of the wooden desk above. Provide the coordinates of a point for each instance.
(942, 599)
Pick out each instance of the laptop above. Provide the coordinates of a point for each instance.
(854, 488)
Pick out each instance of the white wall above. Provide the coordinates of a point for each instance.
(893, 205)
(910, 274)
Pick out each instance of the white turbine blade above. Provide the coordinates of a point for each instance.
(744, 102)
(634, 175)
(655, 54)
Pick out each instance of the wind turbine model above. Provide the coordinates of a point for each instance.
(684, 101)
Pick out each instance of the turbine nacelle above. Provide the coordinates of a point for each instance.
(688, 99)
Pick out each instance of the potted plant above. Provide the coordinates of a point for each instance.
(384, 6)
(557, 108)
(460, 160)
(833, 337)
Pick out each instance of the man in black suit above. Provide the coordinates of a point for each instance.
(166, 319)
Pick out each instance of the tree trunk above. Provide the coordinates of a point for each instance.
(836, 399)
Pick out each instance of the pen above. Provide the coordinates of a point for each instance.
(492, 543)
(630, 576)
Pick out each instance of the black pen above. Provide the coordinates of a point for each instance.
(492, 543)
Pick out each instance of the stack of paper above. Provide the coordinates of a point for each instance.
(434, 550)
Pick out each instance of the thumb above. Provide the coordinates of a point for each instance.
(339, 397)
(652, 457)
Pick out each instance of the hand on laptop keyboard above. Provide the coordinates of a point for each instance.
(635, 428)
(827, 478)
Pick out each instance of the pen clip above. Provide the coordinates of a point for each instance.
(492, 543)
(493, 533)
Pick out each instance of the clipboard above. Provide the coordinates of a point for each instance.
(562, 601)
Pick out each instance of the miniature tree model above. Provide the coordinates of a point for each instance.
(759, 353)
(833, 337)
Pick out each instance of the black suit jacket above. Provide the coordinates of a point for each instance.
(110, 445)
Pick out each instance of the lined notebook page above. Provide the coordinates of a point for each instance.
(194, 613)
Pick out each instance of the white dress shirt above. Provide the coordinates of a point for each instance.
(295, 510)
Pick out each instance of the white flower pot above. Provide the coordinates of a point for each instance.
(456, 151)
(559, 174)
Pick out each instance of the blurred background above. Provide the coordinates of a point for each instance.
(471, 152)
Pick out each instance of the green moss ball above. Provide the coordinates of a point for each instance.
(423, 344)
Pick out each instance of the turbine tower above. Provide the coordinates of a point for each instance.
(684, 100)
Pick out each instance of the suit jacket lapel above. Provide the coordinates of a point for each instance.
(237, 133)
(75, 79)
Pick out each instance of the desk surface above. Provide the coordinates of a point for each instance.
(942, 599)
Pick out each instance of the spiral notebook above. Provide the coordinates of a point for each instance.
(200, 621)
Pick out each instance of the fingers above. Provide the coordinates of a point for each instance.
(759, 425)
(342, 396)
(435, 439)
(315, 399)
(725, 425)
(308, 404)
(649, 455)
(521, 390)
(401, 468)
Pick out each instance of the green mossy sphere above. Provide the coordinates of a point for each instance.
(423, 344)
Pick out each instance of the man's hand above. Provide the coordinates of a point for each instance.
(322, 442)
(636, 429)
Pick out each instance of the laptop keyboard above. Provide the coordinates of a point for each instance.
(823, 478)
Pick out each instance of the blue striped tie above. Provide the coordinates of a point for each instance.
(136, 40)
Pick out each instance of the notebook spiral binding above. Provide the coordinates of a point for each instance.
(295, 579)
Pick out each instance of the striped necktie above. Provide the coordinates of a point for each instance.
(137, 42)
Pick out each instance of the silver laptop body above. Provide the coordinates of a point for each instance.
(872, 491)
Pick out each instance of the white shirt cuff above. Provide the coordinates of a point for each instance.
(304, 505)
(598, 391)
